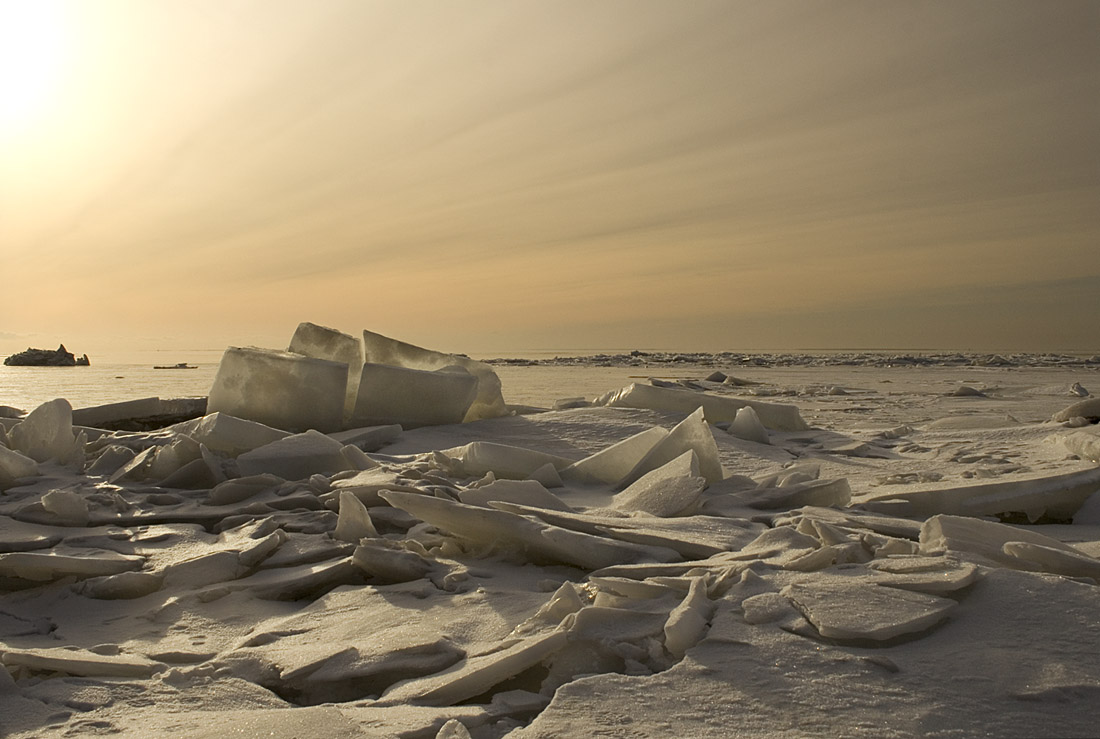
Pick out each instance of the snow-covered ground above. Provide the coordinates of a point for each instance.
(912, 552)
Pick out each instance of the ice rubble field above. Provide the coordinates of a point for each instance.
(360, 538)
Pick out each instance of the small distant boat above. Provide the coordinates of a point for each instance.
(181, 365)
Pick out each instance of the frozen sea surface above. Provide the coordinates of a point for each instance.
(922, 560)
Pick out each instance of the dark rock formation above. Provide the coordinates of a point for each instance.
(46, 358)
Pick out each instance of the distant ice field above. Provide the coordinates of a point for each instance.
(542, 384)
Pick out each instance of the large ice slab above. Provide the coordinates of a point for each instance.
(74, 661)
(984, 541)
(43, 567)
(716, 408)
(280, 389)
(321, 342)
(850, 609)
(489, 403)
(1057, 496)
(412, 398)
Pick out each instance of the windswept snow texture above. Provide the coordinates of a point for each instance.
(759, 551)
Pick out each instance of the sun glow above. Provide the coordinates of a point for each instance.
(32, 52)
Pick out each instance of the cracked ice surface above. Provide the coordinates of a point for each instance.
(891, 563)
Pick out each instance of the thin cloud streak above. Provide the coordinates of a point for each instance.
(704, 158)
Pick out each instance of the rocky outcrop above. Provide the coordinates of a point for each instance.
(46, 358)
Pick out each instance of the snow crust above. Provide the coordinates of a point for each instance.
(879, 556)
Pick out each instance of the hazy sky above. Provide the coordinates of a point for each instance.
(478, 176)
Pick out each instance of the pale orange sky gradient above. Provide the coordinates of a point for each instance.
(488, 176)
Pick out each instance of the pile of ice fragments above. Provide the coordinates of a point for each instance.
(297, 558)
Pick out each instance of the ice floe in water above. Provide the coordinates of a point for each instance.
(357, 539)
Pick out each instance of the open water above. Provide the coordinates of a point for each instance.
(112, 382)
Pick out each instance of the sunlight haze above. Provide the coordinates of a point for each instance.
(483, 176)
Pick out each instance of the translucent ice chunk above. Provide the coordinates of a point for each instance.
(385, 561)
(70, 507)
(668, 490)
(613, 464)
(173, 455)
(825, 493)
(221, 432)
(547, 475)
(14, 466)
(693, 433)
(746, 425)
(716, 408)
(280, 389)
(489, 403)
(523, 492)
(688, 621)
(198, 474)
(1053, 560)
(515, 463)
(296, 457)
(39, 567)
(983, 541)
(320, 342)
(354, 522)
(46, 433)
(412, 398)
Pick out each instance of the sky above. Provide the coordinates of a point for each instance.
(498, 175)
